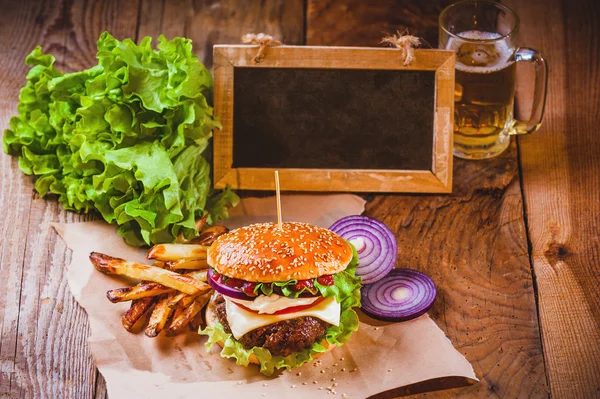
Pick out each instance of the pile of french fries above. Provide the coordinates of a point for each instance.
(174, 287)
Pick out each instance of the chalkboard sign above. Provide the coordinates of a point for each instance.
(334, 119)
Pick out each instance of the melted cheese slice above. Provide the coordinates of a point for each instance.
(242, 321)
(270, 304)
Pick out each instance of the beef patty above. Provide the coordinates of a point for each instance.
(282, 338)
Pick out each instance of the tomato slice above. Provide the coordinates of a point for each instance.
(286, 310)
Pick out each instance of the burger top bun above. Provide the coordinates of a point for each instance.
(265, 253)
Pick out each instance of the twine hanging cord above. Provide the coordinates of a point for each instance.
(406, 44)
(263, 40)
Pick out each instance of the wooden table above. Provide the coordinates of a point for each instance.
(514, 250)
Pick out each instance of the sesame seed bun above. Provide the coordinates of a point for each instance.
(265, 253)
(211, 318)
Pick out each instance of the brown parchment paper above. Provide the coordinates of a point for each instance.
(377, 358)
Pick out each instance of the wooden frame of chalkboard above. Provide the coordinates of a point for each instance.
(431, 163)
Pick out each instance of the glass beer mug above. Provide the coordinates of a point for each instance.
(484, 35)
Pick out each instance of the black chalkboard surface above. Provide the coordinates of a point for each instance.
(333, 119)
(362, 119)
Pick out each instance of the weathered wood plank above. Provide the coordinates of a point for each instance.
(44, 332)
(222, 22)
(21, 35)
(560, 166)
(472, 243)
(366, 22)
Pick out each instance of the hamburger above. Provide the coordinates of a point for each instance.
(283, 296)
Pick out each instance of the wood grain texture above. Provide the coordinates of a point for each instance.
(44, 351)
(364, 23)
(222, 22)
(560, 166)
(472, 243)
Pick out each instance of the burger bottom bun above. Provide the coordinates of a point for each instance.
(211, 318)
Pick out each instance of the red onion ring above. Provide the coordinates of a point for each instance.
(377, 254)
(403, 294)
(225, 290)
(238, 294)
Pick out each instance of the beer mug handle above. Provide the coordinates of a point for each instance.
(539, 90)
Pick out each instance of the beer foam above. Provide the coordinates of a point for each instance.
(479, 35)
(501, 47)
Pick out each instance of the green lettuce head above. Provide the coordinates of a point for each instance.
(346, 291)
(128, 137)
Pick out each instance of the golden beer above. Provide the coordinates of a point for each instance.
(484, 95)
(483, 34)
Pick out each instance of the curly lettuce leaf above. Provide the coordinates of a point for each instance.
(128, 137)
(347, 293)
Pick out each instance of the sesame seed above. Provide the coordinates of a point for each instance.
(314, 382)
(322, 371)
(293, 386)
(389, 370)
(333, 379)
(299, 373)
(265, 384)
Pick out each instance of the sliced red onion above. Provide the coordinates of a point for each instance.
(402, 295)
(224, 289)
(375, 243)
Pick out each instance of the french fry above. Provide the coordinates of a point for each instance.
(136, 311)
(177, 312)
(159, 317)
(188, 264)
(201, 222)
(175, 300)
(170, 252)
(200, 275)
(196, 322)
(209, 235)
(142, 290)
(203, 299)
(183, 318)
(181, 300)
(180, 282)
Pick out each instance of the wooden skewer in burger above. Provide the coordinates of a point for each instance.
(284, 293)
